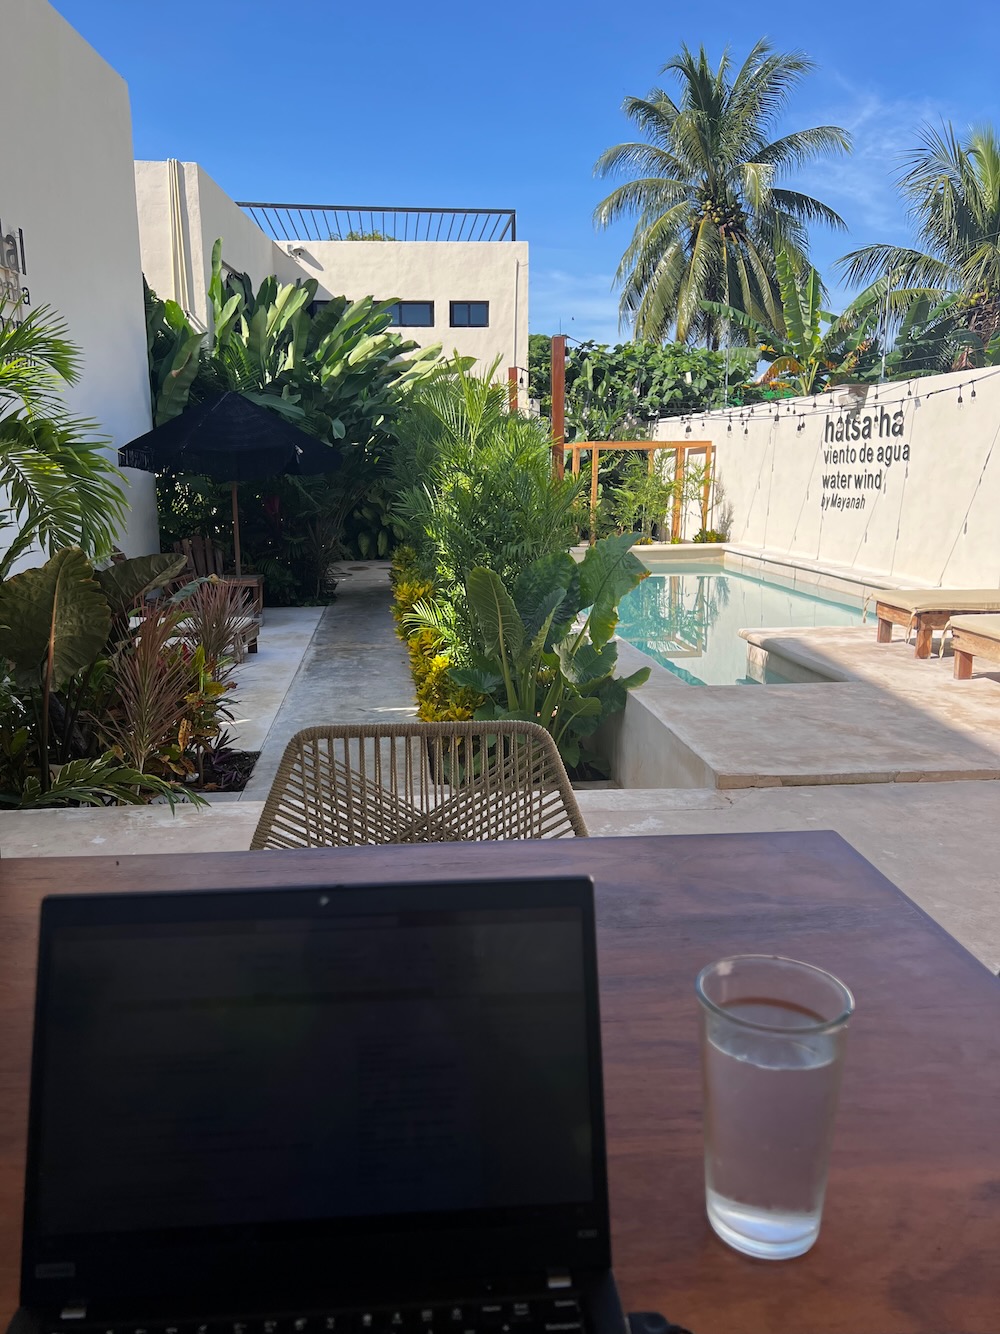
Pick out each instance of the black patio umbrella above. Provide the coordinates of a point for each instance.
(230, 439)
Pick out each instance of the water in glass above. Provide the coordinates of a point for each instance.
(770, 1099)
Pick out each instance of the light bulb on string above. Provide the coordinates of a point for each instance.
(973, 394)
(960, 398)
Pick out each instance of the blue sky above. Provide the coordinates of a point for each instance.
(386, 102)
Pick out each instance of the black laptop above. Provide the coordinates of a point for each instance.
(361, 1110)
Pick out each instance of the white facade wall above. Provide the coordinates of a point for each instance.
(182, 212)
(66, 181)
(904, 488)
(442, 272)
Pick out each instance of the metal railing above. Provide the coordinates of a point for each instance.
(342, 222)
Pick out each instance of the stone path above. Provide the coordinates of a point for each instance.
(354, 670)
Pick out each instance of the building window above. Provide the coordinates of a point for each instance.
(412, 314)
(470, 314)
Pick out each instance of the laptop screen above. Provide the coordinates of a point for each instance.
(342, 1063)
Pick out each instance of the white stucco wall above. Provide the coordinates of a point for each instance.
(442, 272)
(181, 214)
(67, 182)
(179, 223)
(910, 493)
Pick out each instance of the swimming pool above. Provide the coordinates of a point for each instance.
(688, 618)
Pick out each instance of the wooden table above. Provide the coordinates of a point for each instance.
(911, 1233)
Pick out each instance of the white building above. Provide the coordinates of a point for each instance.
(67, 203)
(459, 276)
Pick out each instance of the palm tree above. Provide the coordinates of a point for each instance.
(704, 189)
(58, 487)
(953, 192)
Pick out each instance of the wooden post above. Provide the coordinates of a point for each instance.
(576, 462)
(706, 490)
(236, 531)
(678, 514)
(558, 380)
(512, 388)
(593, 495)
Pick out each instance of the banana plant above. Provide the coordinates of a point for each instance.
(545, 652)
(173, 346)
(817, 348)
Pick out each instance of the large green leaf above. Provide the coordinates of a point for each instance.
(607, 572)
(56, 609)
(582, 663)
(500, 627)
(533, 586)
(481, 679)
(123, 584)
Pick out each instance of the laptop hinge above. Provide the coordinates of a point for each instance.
(558, 1278)
(75, 1311)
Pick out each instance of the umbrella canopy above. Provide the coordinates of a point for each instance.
(230, 439)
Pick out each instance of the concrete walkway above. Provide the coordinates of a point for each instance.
(354, 670)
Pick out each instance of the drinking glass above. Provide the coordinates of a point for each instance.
(772, 1043)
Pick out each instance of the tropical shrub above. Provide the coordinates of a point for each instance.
(107, 698)
(543, 650)
(474, 483)
(439, 699)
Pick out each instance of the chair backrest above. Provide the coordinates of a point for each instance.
(203, 556)
(411, 782)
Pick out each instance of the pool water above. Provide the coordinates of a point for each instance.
(689, 619)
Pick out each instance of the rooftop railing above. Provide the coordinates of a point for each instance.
(341, 222)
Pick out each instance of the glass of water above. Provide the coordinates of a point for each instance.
(772, 1043)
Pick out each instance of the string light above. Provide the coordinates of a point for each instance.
(973, 394)
(960, 398)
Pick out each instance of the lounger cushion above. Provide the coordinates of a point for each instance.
(987, 627)
(915, 600)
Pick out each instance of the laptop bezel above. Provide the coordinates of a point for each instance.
(278, 1263)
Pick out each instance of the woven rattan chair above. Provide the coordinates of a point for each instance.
(415, 782)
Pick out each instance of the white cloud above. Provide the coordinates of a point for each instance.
(862, 186)
(582, 305)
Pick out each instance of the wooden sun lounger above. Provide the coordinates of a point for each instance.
(929, 609)
(974, 637)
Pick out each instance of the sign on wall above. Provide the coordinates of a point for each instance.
(13, 267)
(859, 452)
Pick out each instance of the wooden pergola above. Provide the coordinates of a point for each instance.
(681, 450)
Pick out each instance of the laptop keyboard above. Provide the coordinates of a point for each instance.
(541, 1315)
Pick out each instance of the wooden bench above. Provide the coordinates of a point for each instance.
(974, 637)
(927, 610)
